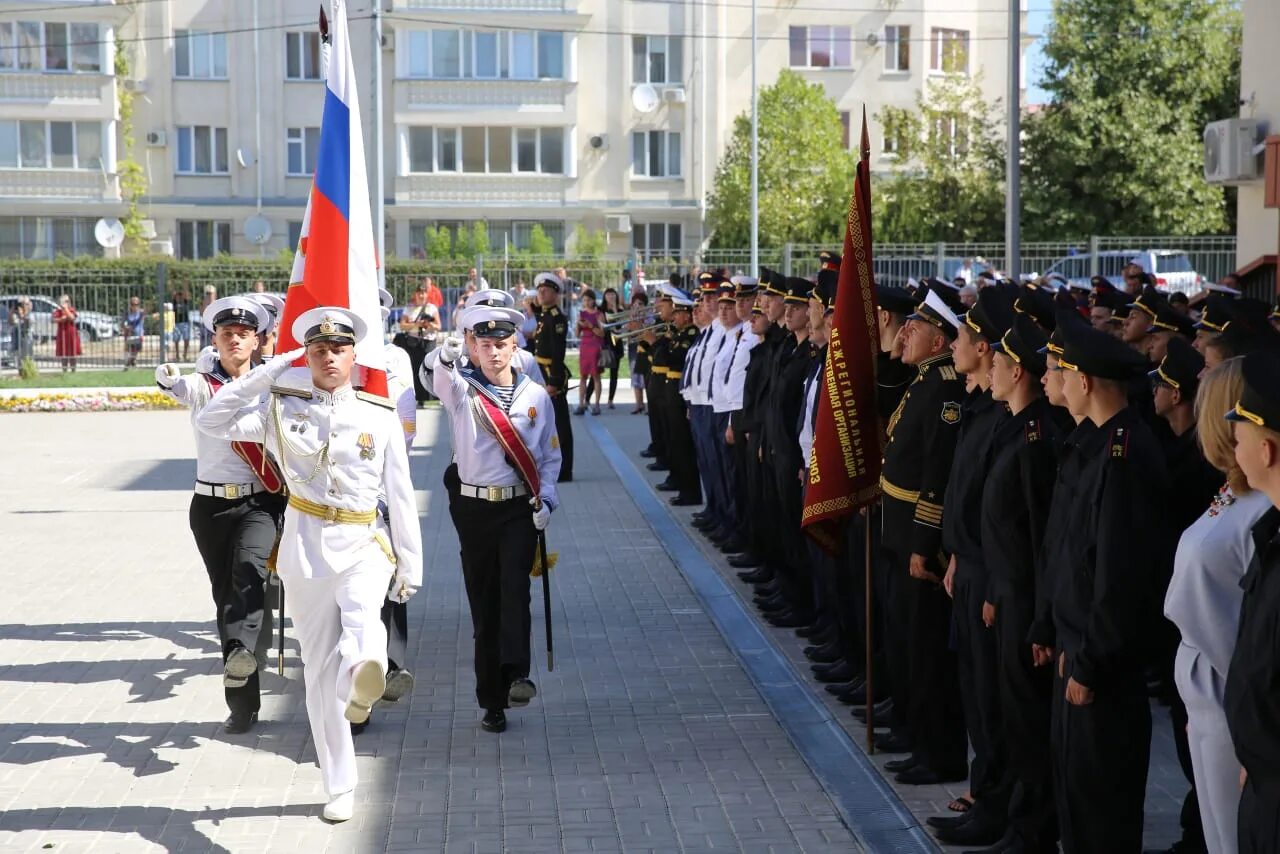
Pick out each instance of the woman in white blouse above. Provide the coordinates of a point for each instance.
(1204, 603)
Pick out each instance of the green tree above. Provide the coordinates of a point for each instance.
(480, 238)
(438, 243)
(805, 170)
(1118, 149)
(539, 244)
(948, 184)
(588, 244)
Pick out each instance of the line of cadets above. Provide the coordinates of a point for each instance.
(1041, 462)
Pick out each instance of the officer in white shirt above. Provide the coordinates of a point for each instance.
(505, 444)
(726, 398)
(341, 451)
(234, 516)
(701, 373)
(523, 359)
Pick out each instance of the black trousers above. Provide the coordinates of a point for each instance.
(1100, 757)
(850, 605)
(759, 481)
(416, 357)
(681, 456)
(564, 430)
(498, 543)
(235, 538)
(656, 411)
(896, 605)
(395, 616)
(1025, 704)
(976, 667)
(934, 713)
(794, 557)
(1259, 817)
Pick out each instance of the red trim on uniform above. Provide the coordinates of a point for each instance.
(498, 424)
(253, 453)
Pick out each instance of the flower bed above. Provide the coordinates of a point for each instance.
(102, 402)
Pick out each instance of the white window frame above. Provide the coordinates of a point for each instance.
(299, 138)
(897, 47)
(37, 237)
(651, 45)
(643, 139)
(14, 126)
(667, 250)
(213, 44)
(835, 39)
(438, 140)
(9, 46)
(539, 142)
(216, 227)
(939, 39)
(421, 54)
(304, 41)
(216, 134)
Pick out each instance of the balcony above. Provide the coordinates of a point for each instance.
(84, 185)
(520, 95)
(35, 87)
(473, 189)
(487, 5)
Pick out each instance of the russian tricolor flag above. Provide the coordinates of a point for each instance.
(336, 263)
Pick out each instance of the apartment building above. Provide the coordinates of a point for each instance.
(514, 112)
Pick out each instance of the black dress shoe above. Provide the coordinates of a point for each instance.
(685, 501)
(812, 632)
(897, 766)
(648, 453)
(858, 697)
(520, 692)
(828, 653)
(982, 829)
(667, 486)
(788, 619)
(759, 575)
(745, 560)
(494, 720)
(837, 688)
(951, 822)
(922, 775)
(893, 742)
(880, 710)
(357, 728)
(733, 546)
(703, 526)
(698, 517)
(838, 671)
(657, 466)
(239, 723)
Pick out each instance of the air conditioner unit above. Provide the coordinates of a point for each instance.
(157, 139)
(673, 95)
(619, 224)
(1229, 151)
(161, 247)
(137, 86)
(147, 229)
(599, 141)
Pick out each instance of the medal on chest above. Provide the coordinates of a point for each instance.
(365, 441)
(299, 424)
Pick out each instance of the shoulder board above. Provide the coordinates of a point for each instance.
(948, 372)
(1119, 443)
(1032, 430)
(553, 311)
(291, 392)
(376, 399)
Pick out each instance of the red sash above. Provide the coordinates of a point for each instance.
(497, 424)
(253, 453)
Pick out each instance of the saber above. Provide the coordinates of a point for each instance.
(546, 596)
(280, 645)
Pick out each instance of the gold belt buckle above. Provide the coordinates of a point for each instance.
(331, 514)
(497, 493)
(231, 490)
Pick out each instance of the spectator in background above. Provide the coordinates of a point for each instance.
(20, 324)
(968, 295)
(626, 285)
(206, 337)
(590, 342)
(419, 331)
(637, 356)
(964, 275)
(259, 287)
(1133, 279)
(1179, 302)
(475, 281)
(467, 290)
(182, 324)
(133, 329)
(67, 335)
(530, 325)
(519, 291)
(612, 306)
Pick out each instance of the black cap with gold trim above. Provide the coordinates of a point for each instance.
(1024, 343)
(1260, 398)
(825, 289)
(726, 292)
(1180, 369)
(798, 290)
(1168, 320)
(1150, 301)
(992, 315)
(1100, 354)
(772, 283)
(236, 311)
(1038, 303)
(491, 321)
(895, 300)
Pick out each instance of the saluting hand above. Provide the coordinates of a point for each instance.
(279, 364)
(167, 375)
(451, 349)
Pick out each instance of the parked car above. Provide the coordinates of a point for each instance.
(1171, 267)
(93, 325)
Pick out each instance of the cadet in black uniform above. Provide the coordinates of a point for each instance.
(548, 349)
(1252, 699)
(655, 383)
(680, 454)
(1104, 607)
(917, 462)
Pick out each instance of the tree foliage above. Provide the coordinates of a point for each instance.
(1118, 150)
(948, 181)
(805, 170)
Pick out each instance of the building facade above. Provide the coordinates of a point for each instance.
(521, 113)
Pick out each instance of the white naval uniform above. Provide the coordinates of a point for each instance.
(216, 462)
(400, 389)
(811, 385)
(701, 386)
(339, 451)
(730, 368)
(523, 361)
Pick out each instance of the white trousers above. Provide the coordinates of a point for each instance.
(1213, 756)
(338, 624)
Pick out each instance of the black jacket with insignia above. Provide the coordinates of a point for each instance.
(981, 418)
(893, 377)
(1107, 569)
(917, 458)
(1015, 502)
(750, 419)
(677, 356)
(792, 363)
(549, 345)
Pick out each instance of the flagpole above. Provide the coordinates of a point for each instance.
(379, 197)
(1013, 172)
(755, 152)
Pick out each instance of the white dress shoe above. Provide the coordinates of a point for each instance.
(342, 807)
(368, 681)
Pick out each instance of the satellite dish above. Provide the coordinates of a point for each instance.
(109, 232)
(245, 158)
(258, 229)
(645, 98)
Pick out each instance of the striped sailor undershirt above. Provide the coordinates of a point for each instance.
(504, 393)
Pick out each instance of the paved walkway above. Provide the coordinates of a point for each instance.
(650, 736)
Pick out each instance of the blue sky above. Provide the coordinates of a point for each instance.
(1037, 22)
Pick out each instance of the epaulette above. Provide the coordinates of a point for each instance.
(376, 399)
(1119, 443)
(553, 311)
(948, 372)
(1032, 430)
(291, 392)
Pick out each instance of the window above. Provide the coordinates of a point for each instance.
(655, 154)
(302, 148)
(36, 46)
(539, 150)
(447, 150)
(203, 238)
(295, 234)
(949, 51)
(951, 135)
(302, 56)
(421, 150)
(47, 237)
(202, 150)
(498, 150)
(50, 145)
(897, 48)
(656, 240)
(821, 47)
(486, 54)
(657, 59)
(201, 56)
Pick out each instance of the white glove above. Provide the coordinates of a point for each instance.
(451, 349)
(206, 360)
(167, 375)
(279, 364)
(401, 589)
(542, 516)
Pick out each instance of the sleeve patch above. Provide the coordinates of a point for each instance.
(948, 372)
(950, 412)
(1119, 443)
(1033, 430)
(560, 328)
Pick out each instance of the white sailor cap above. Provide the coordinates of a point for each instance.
(551, 280)
(682, 301)
(328, 323)
(490, 296)
(385, 302)
(274, 306)
(237, 311)
(491, 321)
(1221, 289)
(669, 292)
(936, 312)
